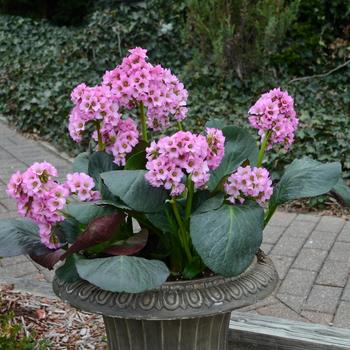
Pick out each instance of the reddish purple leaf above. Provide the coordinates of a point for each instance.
(129, 246)
(98, 231)
(49, 259)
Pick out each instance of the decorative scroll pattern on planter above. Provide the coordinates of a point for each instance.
(190, 298)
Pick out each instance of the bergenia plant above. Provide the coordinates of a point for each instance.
(144, 206)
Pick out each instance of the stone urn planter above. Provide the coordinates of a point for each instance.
(184, 315)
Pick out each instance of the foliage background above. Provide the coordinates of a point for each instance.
(44, 55)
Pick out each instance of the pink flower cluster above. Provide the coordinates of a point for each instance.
(41, 198)
(184, 153)
(96, 104)
(120, 139)
(249, 182)
(82, 186)
(137, 81)
(275, 111)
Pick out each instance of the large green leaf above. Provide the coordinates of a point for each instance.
(20, 236)
(305, 178)
(133, 189)
(239, 146)
(81, 163)
(68, 272)
(88, 211)
(123, 273)
(228, 238)
(100, 162)
(342, 192)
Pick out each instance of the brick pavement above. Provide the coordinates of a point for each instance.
(311, 253)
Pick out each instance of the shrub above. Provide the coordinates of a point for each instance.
(238, 33)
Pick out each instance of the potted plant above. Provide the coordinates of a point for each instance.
(160, 233)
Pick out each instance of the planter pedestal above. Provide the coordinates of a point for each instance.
(185, 315)
(205, 333)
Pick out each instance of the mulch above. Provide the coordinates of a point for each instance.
(62, 326)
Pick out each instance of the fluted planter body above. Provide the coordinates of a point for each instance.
(184, 315)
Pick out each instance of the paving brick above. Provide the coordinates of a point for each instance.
(282, 218)
(333, 273)
(266, 248)
(280, 310)
(288, 246)
(300, 229)
(330, 224)
(318, 317)
(321, 240)
(344, 235)
(342, 318)
(310, 259)
(298, 282)
(307, 217)
(18, 270)
(346, 292)
(273, 233)
(323, 299)
(13, 260)
(282, 264)
(340, 252)
(292, 301)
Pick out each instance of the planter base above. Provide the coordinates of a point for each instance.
(205, 333)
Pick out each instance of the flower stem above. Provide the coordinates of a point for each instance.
(182, 230)
(101, 146)
(263, 148)
(190, 187)
(179, 125)
(143, 122)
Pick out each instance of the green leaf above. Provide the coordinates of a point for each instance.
(211, 203)
(116, 203)
(81, 163)
(228, 238)
(68, 272)
(305, 178)
(215, 123)
(86, 212)
(67, 230)
(128, 274)
(160, 221)
(342, 192)
(239, 146)
(133, 189)
(195, 267)
(136, 161)
(20, 236)
(129, 246)
(100, 162)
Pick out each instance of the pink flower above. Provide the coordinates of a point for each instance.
(136, 81)
(81, 185)
(41, 198)
(247, 182)
(183, 154)
(274, 111)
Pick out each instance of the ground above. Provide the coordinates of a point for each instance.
(311, 252)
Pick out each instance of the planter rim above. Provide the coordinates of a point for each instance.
(176, 299)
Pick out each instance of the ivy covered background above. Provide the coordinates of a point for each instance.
(225, 65)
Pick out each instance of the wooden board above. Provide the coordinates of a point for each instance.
(256, 332)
